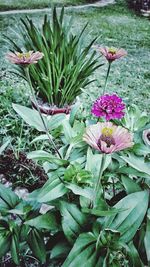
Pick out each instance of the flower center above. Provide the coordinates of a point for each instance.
(148, 136)
(23, 55)
(112, 50)
(107, 137)
(107, 131)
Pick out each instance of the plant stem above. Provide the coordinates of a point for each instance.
(41, 116)
(98, 184)
(107, 75)
(114, 192)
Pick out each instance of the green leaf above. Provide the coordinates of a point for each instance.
(51, 191)
(45, 156)
(130, 185)
(84, 253)
(3, 147)
(77, 190)
(55, 121)
(137, 163)
(75, 173)
(14, 247)
(42, 137)
(134, 119)
(61, 250)
(46, 221)
(147, 237)
(127, 222)
(73, 220)
(73, 113)
(8, 197)
(93, 163)
(36, 243)
(102, 213)
(141, 150)
(5, 241)
(31, 117)
(134, 256)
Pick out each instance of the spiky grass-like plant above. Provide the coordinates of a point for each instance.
(67, 65)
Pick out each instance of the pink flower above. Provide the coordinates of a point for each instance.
(112, 54)
(146, 137)
(108, 106)
(108, 137)
(24, 59)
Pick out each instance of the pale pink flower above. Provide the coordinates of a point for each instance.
(108, 137)
(146, 137)
(24, 59)
(112, 54)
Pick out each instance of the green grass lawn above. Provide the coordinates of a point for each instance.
(115, 25)
(27, 4)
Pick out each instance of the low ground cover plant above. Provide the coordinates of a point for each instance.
(93, 210)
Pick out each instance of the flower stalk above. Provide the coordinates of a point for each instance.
(98, 184)
(39, 111)
(107, 75)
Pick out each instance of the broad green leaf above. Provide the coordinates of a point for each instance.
(127, 222)
(14, 248)
(36, 243)
(46, 221)
(93, 163)
(102, 213)
(45, 156)
(131, 171)
(134, 119)
(73, 113)
(137, 163)
(51, 191)
(8, 197)
(73, 220)
(55, 121)
(77, 190)
(130, 185)
(5, 240)
(31, 117)
(84, 253)
(134, 257)
(147, 237)
(61, 250)
(42, 137)
(141, 150)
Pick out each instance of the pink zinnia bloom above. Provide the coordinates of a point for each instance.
(24, 59)
(112, 54)
(108, 137)
(109, 107)
(146, 137)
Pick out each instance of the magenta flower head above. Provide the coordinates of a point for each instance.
(107, 137)
(146, 137)
(24, 59)
(112, 53)
(109, 107)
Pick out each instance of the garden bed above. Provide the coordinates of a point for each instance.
(74, 189)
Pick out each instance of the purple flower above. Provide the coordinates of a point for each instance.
(109, 107)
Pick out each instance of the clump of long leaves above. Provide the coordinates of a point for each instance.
(60, 75)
